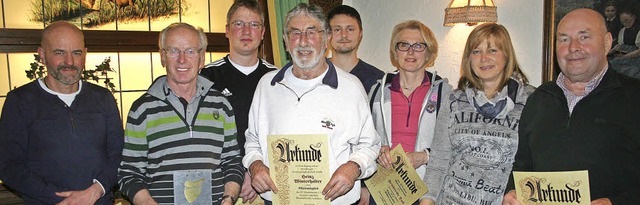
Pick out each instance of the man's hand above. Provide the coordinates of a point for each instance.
(601, 201)
(418, 159)
(384, 158)
(87, 196)
(341, 181)
(248, 193)
(144, 198)
(427, 202)
(510, 198)
(364, 196)
(231, 192)
(260, 179)
(227, 201)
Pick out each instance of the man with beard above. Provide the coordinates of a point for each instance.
(346, 34)
(312, 96)
(61, 139)
(237, 74)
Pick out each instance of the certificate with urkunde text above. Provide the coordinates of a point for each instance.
(566, 187)
(299, 167)
(400, 184)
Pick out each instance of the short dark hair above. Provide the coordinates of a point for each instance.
(346, 10)
(248, 4)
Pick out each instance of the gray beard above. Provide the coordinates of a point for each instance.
(66, 79)
(312, 63)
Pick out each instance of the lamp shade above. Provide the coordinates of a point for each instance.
(470, 12)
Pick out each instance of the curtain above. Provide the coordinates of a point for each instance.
(277, 12)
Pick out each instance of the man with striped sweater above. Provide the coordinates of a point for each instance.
(180, 137)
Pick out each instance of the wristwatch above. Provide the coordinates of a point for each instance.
(233, 199)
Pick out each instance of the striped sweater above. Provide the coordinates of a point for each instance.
(163, 136)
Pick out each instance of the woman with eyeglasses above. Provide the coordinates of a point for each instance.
(477, 127)
(405, 103)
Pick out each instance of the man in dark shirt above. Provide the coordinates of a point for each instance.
(346, 33)
(237, 74)
(61, 138)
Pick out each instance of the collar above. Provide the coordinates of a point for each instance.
(395, 82)
(330, 79)
(590, 86)
(202, 86)
(500, 105)
(43, 85)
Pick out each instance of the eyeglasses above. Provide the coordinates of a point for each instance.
(189, 52)
(417, 47)
(309, 33)
(241, 24)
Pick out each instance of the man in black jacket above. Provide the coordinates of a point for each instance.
(587, 119)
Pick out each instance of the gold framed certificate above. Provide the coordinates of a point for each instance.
(570, 187)
(299, 167)
(400, 184)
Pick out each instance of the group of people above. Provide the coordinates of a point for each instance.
(205, 127)
(621, 21)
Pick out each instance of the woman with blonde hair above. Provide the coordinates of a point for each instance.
(405, 103)
(477, 130)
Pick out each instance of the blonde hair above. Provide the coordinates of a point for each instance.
(427, 35)
(501, 37)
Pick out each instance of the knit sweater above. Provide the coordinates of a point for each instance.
(162, 139)
(47, 146)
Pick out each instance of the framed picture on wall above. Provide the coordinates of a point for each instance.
(625, 55)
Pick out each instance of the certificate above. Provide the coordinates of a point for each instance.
(192, 187)
(400, 184)
(299, 167)
(570, 187)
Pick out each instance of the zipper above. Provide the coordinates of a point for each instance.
(71, 119)
(184, 118)
(410, 102)
(195, 115)
(294, 92)
(408, 114)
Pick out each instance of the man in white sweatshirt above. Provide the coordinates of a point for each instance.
(312, 96)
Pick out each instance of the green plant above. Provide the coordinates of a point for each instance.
(101, 72)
